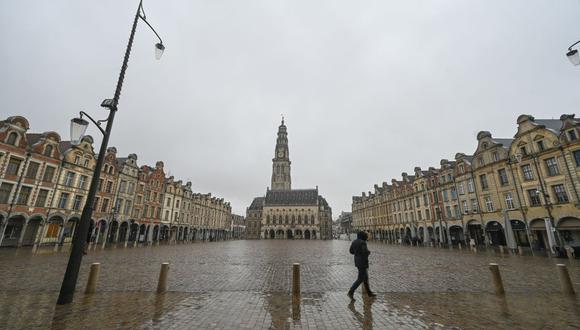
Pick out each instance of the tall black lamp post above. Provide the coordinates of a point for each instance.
(78, 128)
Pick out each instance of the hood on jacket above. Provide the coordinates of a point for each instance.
(362, 235)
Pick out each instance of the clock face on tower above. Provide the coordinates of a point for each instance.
(280, 154)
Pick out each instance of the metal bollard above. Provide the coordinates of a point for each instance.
(162, 284)
(296, 281)
(93, 277)
(496, 278)
(567, 286)
(520, 250)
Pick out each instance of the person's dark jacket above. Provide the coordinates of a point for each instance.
(360, 250)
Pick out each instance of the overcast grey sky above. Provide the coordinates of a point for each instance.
(369, 88)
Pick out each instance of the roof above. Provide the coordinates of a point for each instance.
(506, 143)
(33, 138)
(257, 203)
(552, 124)
(292, 197)
(64, 146)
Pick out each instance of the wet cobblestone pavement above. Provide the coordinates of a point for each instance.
(246, 284)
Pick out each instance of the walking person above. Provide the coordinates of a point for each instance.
(361, 261)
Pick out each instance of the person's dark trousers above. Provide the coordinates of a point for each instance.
(363, 277)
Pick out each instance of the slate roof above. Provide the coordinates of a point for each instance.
(33, 138)
(552, 124)
(292, 197)
(506, 143)
(257, 203)
(64, 146)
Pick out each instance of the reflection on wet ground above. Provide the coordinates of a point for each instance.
(330, 310)
(247, 284)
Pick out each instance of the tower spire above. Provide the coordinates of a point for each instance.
(281, 179)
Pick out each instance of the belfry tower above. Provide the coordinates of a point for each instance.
(281, 161)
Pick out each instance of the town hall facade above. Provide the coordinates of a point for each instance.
(286, 213)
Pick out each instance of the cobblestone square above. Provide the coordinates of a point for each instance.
(247, 284)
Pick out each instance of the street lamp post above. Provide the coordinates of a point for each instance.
(78, 128)
(573, 55)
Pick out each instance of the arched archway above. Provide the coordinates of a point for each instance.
(272, 234)
(101, 231)
(31, 231)
(520, 233)
(313, 234)
(156, 233)
(279, 234)
(495, 233)
(408, 236)
(456, 235)
(13, 230)
(142, 233)
(114, 227)
(475, 232)
(123, 231)
(298, 234)
(569, 229)
(307, 234)
(289, 234)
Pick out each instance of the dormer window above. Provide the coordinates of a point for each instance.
(540, 145)
(86, 164)
(77, 160)
(524, 150)
(12, 138)
(572, 135)
(495, 156)
(461, 169)
(48, 151)
(480, 161)
(484, 145)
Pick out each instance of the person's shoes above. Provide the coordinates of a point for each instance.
(371, 295)
(351, 296)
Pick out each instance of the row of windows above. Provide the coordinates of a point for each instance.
(14, 166)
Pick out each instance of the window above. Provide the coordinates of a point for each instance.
(419, 215)
(480, 161)
(127, 207)
(456, 210)
(427, 215)
(100, 187)
(86, 163)
(77, 160)
(552, 166)
(445, 195)
(560, 193)
(166, 215)
(417, 201)
(577, 157)
(13, 166)
(69, 178)
(461, 188)
(32, 170)
(509, 201)
(524, 150)
(5, 190)
(488, 203)
(77, 202)
(425, 200)
(572, 135)
(109, 186)
(534, 197)
(483, 181)
(12, 137)
(453, 193)
(503, 178)
(83, 181)
(495, 156)
(131, 187)
(63, 200)
(24, 195)
(48, 174)
(41, 198)
(465, 207)
(527, 171)
(123, 186)
(12, 231)
(177, 203)
(448, 211)
(540, 145)
(461, 169)
(48, 151)
(474, 205)
(470, 186)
